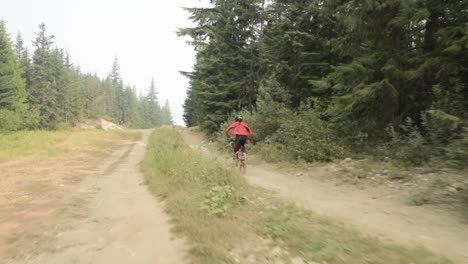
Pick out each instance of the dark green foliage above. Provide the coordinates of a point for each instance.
(12, 86)
(9, 120)
(308, 138)
(190, 109)
(407, 144)
(296, 49)
(440, 137)
(69, 96)
(271, 112)
(456, 153)
(43, 92)
(363, 66)
(441, 127)
(226, 72)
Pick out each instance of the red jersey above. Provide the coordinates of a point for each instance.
(240, 128)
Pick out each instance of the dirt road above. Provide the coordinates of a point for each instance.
(386, 219)
(124, 222)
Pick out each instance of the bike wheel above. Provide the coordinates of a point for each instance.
(241, 166)
(242, 163)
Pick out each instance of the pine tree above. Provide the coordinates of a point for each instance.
(190, 105)
(12, 86)
(70, 94)
(93, 96)
(445, 46)
(394, 62)
(109, 95)
(151, 108)
(134, 114)
(116, 94)
(166, 116)
(225, 78)
(43, 90)
(295, 48)
(24, 59)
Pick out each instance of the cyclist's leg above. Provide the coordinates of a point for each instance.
(237, 143)
(235, 147)
(243, 141)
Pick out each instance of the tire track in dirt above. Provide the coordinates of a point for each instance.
(387, 220)
(125, 223)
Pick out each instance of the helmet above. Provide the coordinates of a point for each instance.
(239, 118)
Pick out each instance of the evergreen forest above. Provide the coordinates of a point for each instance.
(42, 89)
(321, 80)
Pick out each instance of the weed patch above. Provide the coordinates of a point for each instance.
(217, 199)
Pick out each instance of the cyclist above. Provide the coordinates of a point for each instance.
(242, 133)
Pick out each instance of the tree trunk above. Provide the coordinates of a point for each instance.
(432, 26)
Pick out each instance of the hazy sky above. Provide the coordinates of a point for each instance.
(140, 32)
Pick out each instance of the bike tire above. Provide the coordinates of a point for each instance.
(242, 164)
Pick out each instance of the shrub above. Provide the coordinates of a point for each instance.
(441, 127)
(271, 110)
(408, 145)
(273, 152)
(218, 197)
(457, 152)
(31, 118)
(9, 120)
(308, 137)
(268, 119)
(19, 120)
(284, 135)
(265, 121)
(415, 150)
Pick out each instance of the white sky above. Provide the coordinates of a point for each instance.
(140, 32)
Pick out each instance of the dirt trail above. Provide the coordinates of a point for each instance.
(125, 223)
(389, 220)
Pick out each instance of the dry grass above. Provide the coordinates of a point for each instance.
(43, 145)
(41, 173)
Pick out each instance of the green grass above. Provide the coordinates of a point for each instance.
(49, 144)
(216, 210)
(184, 179)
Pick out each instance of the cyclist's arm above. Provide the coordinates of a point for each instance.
(250, 131)
(228, 129)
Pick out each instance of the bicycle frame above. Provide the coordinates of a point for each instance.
(241, 160)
